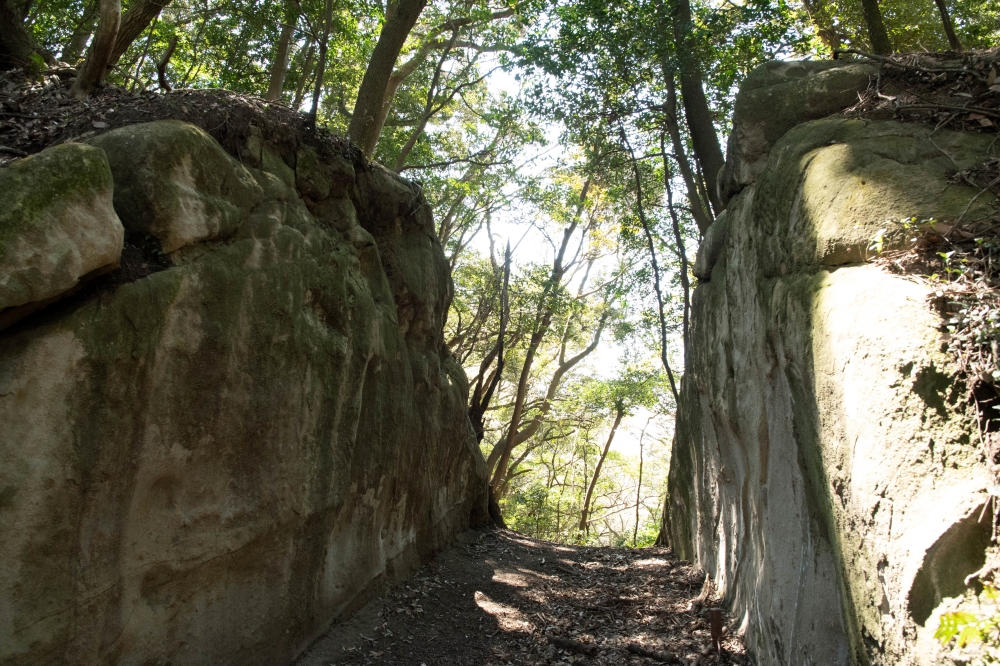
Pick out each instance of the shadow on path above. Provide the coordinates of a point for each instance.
(496, 597)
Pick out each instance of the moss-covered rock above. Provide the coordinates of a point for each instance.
(211, 464)
(57, 225)
(832, 184)
(175, 183)
(776, 97)
(827, 469)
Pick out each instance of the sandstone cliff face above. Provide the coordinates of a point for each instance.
(210, 463)
(826, 468)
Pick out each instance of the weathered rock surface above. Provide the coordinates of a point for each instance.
(57, 227)
(826, 470)
(776, 97)
(210, 464)
(173, 182)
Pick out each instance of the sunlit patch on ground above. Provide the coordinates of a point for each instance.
(499, 598)
(508, 617)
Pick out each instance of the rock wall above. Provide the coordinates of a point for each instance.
(826, 470)
(244, 429)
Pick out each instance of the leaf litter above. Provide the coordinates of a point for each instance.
(499, 598)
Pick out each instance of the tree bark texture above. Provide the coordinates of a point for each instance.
(585, 512)
(93, 69)
(279, 68)
(401, 16)
(701, 125)
(949, 28)
(876, 28)
(133, 22)
(16, 43)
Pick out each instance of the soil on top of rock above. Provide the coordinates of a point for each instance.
(36, 113)
(497, 598)
(960, 91)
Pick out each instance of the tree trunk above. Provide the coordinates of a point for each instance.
(93, 69)
(949, 28)
(16, 43)
(401, 16)
(585, 512)
(84, 29)
(401, 73)
(681, 251)
(502, 475)
(638, 488)
(133, 22)
(279, 68)
(304, 76)
(479, 401)
(820, 16)
(161, 66)
(704, 138)
(404, 152)
(395, 80)
(321, 65)
(702, 217)
(500, 455)
(142, 59)
(657, 287)
(876, 29)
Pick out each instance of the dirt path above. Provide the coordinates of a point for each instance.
(497, 598)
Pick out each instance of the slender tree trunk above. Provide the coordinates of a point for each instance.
(16, 43)
(142, 58)
(304, 76)
(876, 28)
(91, 73)
(404, 152)
(820, 16)
(195, 44)
(479, 402)
(500, 455)
(84, 29)
(395, 80)
(702, 217)
(401, 16)
(949, 28)
(161, 66)
(321, 65)
(638, 488)
(585, 512)
(133, 23)
(279, 68)
(502, 475)
(700, 122)
(657, 287)
(681, 251)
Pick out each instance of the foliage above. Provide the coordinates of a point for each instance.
(964, 628)
(506, 112)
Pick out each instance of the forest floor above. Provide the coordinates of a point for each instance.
(496, 597)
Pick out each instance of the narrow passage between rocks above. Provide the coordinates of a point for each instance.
(497, 597)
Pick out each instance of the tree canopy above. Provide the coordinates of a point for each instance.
(570, 149)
